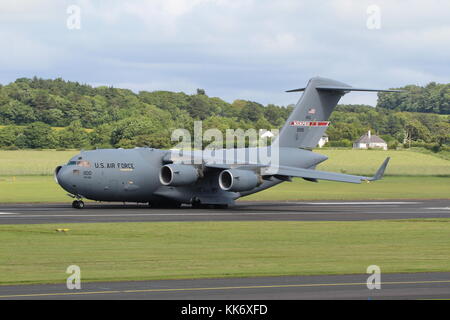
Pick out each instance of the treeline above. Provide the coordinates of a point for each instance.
(37, 113)
(59, 103)
(406, 129)
(433, 98)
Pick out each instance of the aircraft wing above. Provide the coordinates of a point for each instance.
(323, 175)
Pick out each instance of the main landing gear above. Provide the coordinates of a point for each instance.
(78, 204)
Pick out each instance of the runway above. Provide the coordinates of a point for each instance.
(243, 211)
(393, 286)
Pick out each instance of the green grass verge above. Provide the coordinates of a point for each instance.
(366, 162)
(388, 188)
(138, 251)
(31, 189)
(32, 162)
(45, 189)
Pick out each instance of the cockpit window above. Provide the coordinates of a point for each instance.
(84, 163)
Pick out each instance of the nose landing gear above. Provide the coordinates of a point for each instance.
(78, 204)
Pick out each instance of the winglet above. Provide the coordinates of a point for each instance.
(380, 172)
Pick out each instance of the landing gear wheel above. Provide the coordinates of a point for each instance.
(196, 203)
(78, 204)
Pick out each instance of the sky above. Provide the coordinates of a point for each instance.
(234, 49)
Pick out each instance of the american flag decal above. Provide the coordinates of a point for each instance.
(312, 111)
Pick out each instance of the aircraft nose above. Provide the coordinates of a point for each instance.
(57, 169)
(62, 177)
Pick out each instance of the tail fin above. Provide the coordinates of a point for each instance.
(308, 122)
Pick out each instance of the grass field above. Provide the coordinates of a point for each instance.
(366, 162)
(25, 176)
(45, 189)
(136, 251)
(28, 162)
(388, 188)
(31, 162)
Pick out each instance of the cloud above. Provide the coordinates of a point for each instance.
(232, 48)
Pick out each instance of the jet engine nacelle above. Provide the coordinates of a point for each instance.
(238, 180)
(178, 175)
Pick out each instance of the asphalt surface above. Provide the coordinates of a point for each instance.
(243, 211)
(393, 286)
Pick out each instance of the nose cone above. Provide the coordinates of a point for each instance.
(63, 178)
(55, 175)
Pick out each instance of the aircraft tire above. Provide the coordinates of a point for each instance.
(78, 204)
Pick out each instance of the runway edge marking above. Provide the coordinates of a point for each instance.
(222, 288)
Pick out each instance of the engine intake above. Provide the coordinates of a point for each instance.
(178, 175)
(238, 180)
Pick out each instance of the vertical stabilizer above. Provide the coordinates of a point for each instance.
(309, 120)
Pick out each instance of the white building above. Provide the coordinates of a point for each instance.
(323, 140)
(369, 141)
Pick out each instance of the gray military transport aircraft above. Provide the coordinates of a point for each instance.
(164, 179)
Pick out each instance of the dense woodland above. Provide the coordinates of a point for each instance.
(37, 113)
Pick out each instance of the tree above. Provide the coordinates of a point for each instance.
(39, 135)
(8, 135)
(433, 98)
(199, 107)
(201, 92)
(252, 111)
(101, 136)
(16, 112)
(73, 136)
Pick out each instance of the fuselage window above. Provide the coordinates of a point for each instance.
(71, 163)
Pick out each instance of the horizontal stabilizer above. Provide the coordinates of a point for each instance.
(332, 88)
(296, 90)
(344, 89)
